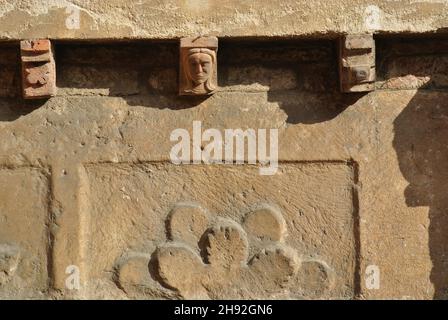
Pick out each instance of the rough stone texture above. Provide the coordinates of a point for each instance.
(131, 211)
(86, 179)
(230, 18)
(24, 233)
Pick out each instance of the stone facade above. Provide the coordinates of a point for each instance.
(92, 205)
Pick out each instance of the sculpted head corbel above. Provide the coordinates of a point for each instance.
(198, 66)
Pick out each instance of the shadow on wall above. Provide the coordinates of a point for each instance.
(12, 109)
(421, 143)
(313, 108)
(300, 76)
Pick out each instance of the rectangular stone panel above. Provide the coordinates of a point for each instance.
(24, 238)
(157, 230)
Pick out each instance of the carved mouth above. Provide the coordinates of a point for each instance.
(201, 76)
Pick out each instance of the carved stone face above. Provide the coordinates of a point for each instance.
(199, 67)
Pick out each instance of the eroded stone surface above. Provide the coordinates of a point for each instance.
(38, 69)
(228, 261)
(220, 269)
(316, 279)
(187, 222)
(173, 19)
(24, 233)
(265, 223)
(9, 262)
(86, 178)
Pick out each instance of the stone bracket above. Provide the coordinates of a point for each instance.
(198, 66)
(38, 69)
(357, 63)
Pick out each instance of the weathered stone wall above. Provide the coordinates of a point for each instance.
(116, 19)
(86, 178)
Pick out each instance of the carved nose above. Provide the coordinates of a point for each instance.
(198, 68)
